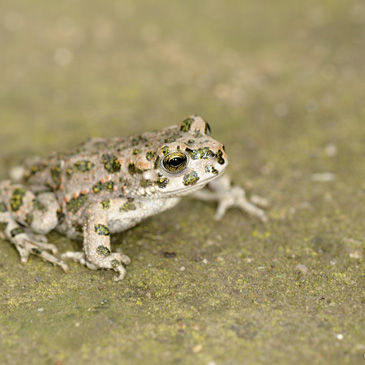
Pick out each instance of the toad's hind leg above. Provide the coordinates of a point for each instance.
(25, 218)
(26, 244)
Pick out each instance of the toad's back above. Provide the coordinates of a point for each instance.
(98, 166)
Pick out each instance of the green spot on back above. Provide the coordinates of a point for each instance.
(111, 163)
(139, 140)
(173, 138)
(36, 168)
(106, 186)
(83, 165)
(75, 204)
(132, 169)
(55, 174)
(125, 182)
(150, 155)
(16, 200)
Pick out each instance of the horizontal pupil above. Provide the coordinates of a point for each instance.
(176, 161)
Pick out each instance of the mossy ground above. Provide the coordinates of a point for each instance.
(281, 83)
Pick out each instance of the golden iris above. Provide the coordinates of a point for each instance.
(175, 162)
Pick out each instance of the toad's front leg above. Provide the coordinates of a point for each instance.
(97, 253)
(227, 196)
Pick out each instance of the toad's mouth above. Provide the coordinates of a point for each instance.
(190, 188)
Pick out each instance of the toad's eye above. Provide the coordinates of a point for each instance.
(175, 162)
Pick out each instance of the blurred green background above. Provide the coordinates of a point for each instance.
(282, 85)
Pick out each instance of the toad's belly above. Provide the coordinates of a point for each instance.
(123, 219)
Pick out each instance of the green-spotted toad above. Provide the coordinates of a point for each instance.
(108, 185)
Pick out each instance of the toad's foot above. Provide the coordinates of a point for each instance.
(229, 196)
(113, 261)
(27, 245)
